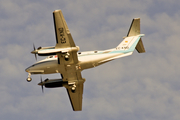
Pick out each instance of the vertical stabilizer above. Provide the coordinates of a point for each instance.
(134, 28)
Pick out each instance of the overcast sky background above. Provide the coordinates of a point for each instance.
(138, 87)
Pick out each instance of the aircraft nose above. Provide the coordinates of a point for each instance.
(28, 69)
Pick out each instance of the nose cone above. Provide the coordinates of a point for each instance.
(27, 69)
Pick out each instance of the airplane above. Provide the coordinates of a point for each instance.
(65, 59)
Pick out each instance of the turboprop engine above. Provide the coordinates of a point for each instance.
(53, 83)
(46, 51)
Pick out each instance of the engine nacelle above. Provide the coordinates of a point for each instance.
(53, 83)
(46, 51)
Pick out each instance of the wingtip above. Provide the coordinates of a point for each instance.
(136, 18)
(57, 11)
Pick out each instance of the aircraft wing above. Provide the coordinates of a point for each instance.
(63, 35)
(70, 71)
(77, 96)
(74, 78)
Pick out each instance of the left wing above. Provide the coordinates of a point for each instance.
(64, 38)
(63, 35)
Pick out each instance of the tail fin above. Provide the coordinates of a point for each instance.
(134, 31)
(134, 28)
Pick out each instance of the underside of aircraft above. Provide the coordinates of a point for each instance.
(64, 58)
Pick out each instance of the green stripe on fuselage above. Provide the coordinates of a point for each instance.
(131, 49)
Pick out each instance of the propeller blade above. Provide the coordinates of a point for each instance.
(36, 57)
(34, 46)
(33, 51)
(42, 85)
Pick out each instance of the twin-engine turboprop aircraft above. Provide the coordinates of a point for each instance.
(65, 59)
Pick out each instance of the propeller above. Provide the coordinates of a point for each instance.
(41, 84)
(34, 51)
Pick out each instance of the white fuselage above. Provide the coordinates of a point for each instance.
(86, 60)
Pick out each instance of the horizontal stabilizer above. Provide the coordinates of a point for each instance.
(140, 47)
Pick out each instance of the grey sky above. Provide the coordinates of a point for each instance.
(138, 87)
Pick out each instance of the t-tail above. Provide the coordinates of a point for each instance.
(133, 39)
